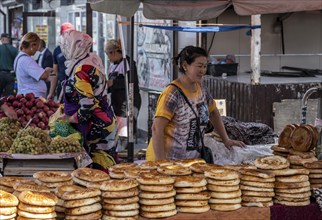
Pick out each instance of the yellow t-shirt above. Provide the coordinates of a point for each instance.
(181, 135)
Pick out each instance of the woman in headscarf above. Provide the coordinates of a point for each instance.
(85, 92)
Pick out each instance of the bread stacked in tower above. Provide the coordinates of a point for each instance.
(21, 186)
(315, 176)
(37, 205)
(156, 196)
(52, 179)
(89, 177)
(223, 185)
(174, 170)
(191, 194)
(80, 203)
(257, 187)
(291, 185)
(7, 182)
(198, 169)
(120, 198)
(8, 205)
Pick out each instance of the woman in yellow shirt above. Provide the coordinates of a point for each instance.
(176, 129)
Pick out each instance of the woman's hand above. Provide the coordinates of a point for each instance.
(230, 143)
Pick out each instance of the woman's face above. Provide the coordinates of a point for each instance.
(33, 48)
(197, 69)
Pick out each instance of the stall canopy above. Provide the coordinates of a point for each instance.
(191, 10)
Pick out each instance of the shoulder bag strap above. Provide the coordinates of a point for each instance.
(187, 101)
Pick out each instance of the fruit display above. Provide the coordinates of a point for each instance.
(27, 107)
(64, 145)
(6, 142)
(62, 128)
(10, 127)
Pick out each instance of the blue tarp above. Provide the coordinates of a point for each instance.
(218, 28)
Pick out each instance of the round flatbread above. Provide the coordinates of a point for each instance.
(301, 139)
(191, 189)
(38, 198)
(225, 207)
(10, 181)
(316, 181)
(154, 164)
(52, 176)
(295, 190)
(289, 199)
(193, 196)
(158, 208)
(81, 202)
(156, 201)
(189, 181)
(290, 172)
(72, 192)
(30, 187)
(292, 179)
(256, 189)
(34, 215)
(108, 217)
(282, 185)
(237, 167)
(256, 199)
(317, 170)
(217, 188)
(7, 199)
(257, 184)
(301, 159)
(90, 175)
(8, 210)
(174, 170)
(257, 193)
(36, 209)
(285, 136)
(193, 209)
(94, 215)
(123, 207)
(121, 194)
(189, 162)
(87, 184)
(84, 209)
(225, 195)
(222, 174)
(163, 214)
(232, 182)
(129, 213)
(225, 201)
(53, 185)
(157, 195)
(8, 217)
(156, 188)
(202, 167)
(191, 203)
(271, 163)
(257, 204)
(303, 203)
(280, 149)
(294, 195)
(119, 185)
(151, 179)
(314, 165)
(122, 201)
(308, 153)
(265, 174)
(257, 179)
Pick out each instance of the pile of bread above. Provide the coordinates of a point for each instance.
(159, 189)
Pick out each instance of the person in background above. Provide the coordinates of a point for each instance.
(85, 93)
(8, 54)
(30, 76)
(116, 86)
(175, 130)
(8, 111)
(59, 66)
(45, 59)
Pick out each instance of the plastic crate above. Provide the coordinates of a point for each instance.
(219, 69)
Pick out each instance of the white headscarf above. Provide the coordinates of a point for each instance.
(75, 46)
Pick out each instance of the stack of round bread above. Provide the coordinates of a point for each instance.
(299, 159)
(280, 151)
(174, 170)
(223, 185)
(120, 198)
(117, 171)
(20, 187)
(37, 205)
(52, 179)
(7, 182)
(257, 187)
(315, 176)
(156, 196)
(292, 187)
(80, 203)
(8, 205)
(90, 178)
(191, 194)
(153, 165)
(198, 169)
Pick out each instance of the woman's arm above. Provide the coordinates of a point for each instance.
(216, 121)
(158, 127)
(46, 73)
(53, 82)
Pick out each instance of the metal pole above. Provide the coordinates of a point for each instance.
(255, 50)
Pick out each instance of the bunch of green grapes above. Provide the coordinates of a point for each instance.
(64, 145)
(10, 126)
(37, 133)
(28, 145)
(6, 142)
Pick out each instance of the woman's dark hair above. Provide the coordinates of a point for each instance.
(189, 54)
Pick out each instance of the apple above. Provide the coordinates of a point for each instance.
(15, 104)
(20, 112)
(11, 98)
(41, 115)
(23, 100)
(50, 113)
(19, 96)
(29, 96)
(45, 108)
(39, 104)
